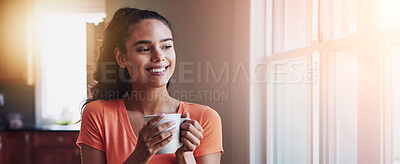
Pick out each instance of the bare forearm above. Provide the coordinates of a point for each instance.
(131, 160)
(134, 158)
(185, 158)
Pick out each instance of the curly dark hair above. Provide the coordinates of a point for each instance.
(110, 80)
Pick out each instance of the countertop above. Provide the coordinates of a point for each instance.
(55, 127)
(74, 127)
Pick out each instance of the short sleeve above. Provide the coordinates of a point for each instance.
(92, 126)
(212, 135)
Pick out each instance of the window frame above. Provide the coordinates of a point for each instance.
(370, 35)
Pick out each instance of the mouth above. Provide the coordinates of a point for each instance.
(157, 70)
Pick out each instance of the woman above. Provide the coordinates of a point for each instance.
(136, 61)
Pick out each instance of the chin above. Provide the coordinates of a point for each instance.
(158, 84)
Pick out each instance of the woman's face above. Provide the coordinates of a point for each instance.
(150, 57)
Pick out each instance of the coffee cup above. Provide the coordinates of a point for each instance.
(172, 146)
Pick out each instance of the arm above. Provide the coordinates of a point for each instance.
(210, 149)
(205, 159)
(209, 158)
(90, 138)
(92, 155)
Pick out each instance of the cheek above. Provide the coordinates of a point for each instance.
(172, 60)
(134, 66)
(136, 62)
(172, 66)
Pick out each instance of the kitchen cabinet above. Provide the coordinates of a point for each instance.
(17, 147)
(56, 155)
(41, 147)
(55, 147)
(1, 148)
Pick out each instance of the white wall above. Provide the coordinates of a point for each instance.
(212, 32)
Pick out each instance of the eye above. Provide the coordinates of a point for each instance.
(143, 49)
(166, 47)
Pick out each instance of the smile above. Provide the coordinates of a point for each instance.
(157, 70)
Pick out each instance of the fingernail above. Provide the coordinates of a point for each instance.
(175, 129)
(161, 115)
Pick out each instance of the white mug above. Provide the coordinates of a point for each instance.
(172, 146)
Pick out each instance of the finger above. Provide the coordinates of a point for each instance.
(154, 121)
(185, 115)
(143, 133)
(162, 127)
(187, 144)
(198, 126)
(161, 144)
(190, 128)
(188, 135)
(163, 136)
(195, 124)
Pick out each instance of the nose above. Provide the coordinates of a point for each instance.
(157, 55)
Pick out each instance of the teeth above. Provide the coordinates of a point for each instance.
(157, 70)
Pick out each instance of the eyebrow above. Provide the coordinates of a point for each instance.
(149, 42)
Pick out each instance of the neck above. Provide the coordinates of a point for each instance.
(149, 101)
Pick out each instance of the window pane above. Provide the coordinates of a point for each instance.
(346, 106)
(296, 24)
(291, 114)
(63, 66)
(396, 104)
(345, 18)
(315, 76)
(291, 25)
(338, 18)
(390, 14)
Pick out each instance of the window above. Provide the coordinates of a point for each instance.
(345, 111)
(291, 24)
(338, 18)
(61, 69)
(389, 14)
(350, 50)
(289, 121)
(391, 105)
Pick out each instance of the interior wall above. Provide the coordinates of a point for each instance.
(210, 34)
(13, 41)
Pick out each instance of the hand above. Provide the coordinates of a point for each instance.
(151, 140)
(191, 135)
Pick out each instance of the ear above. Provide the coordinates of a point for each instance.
(120, 57)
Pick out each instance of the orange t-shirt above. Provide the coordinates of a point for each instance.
(105, 126)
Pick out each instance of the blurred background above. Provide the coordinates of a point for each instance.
(295, 82)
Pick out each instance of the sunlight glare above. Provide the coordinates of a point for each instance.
(390, 14)
(63, 63)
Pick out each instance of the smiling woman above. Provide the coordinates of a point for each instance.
(151, 53)
(138, 49)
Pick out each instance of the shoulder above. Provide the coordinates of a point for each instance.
(202, 113)
(93, 107)
(98, 107)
